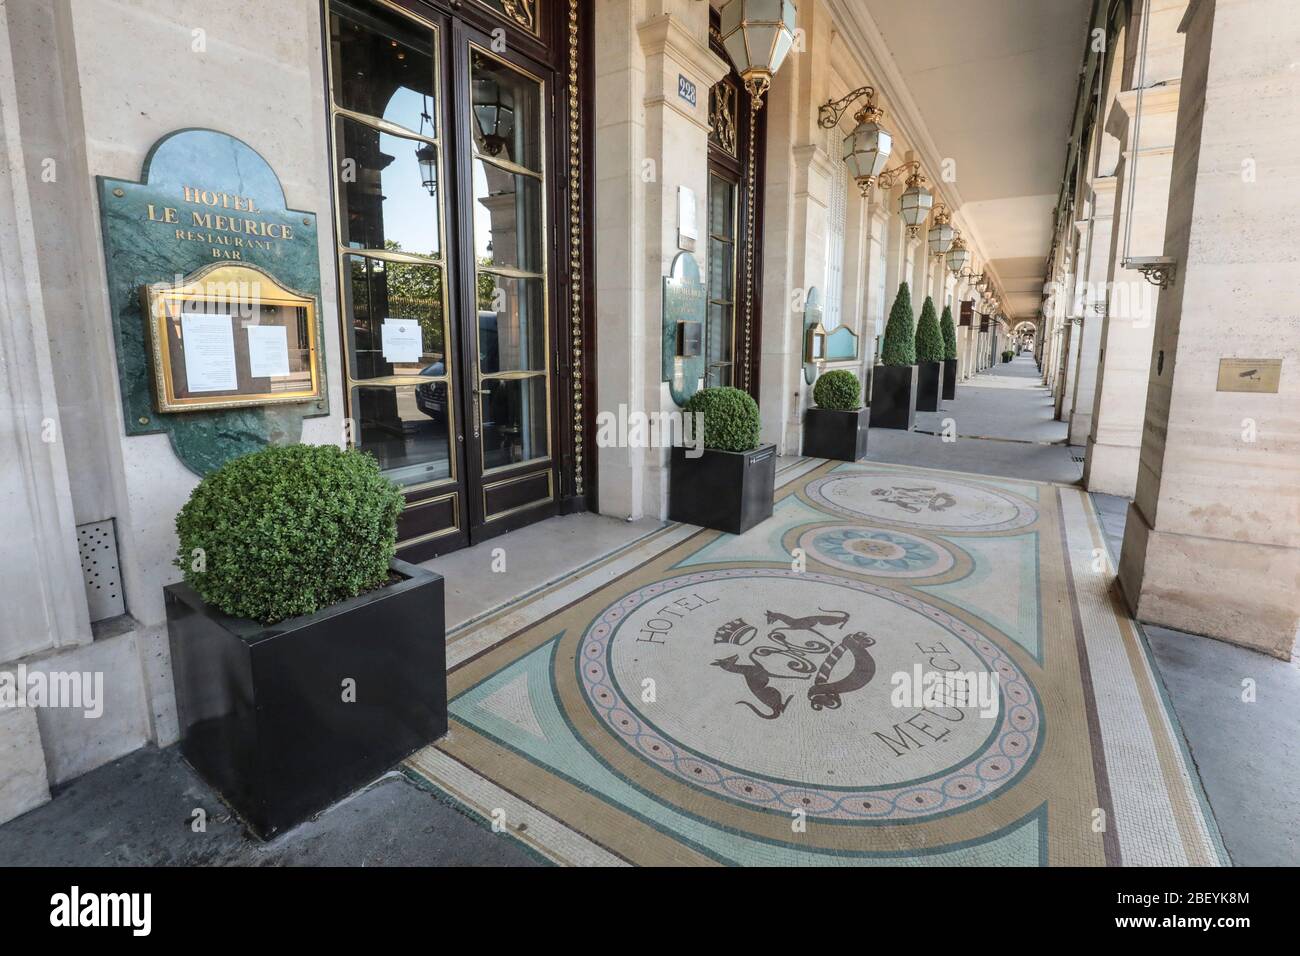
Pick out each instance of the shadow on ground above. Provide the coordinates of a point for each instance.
(139, 811)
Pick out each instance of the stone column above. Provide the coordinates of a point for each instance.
(795, 223)
(44, 600)
(1212, 541)
(1093, 307)
(650, 142)
(1142, 184)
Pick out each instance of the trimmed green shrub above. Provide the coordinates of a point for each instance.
(288, 530)
(1008, 355)
(838, 390)
(929, 340)
(949, 333)
(899, 347)
(730, 418)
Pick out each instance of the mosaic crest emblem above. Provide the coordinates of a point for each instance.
(920, 501)
(784, 690)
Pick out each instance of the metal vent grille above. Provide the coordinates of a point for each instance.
(97, 543)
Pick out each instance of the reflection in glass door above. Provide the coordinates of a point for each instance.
(511, 394)
(386, 91)
(502, 149)
(445, 298)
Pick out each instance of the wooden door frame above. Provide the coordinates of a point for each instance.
(563, 49)
(736, 165)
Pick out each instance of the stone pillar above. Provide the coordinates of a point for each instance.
(1129, 324)
(640, 120)
(1093, 307)
(1152, 60)
(1212, 541)
(795, 223)
(44, 601)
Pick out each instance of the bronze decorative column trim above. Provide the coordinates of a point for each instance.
(575, 245)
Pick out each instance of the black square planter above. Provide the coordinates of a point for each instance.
(929, 377)
(263, 711)
(841, 435)
(893, 396)
(949, 380)
(726, 490)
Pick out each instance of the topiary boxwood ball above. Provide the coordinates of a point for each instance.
(288, 530)
(839, 390)
(730, 418)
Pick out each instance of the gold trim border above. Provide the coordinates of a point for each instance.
(155, 299)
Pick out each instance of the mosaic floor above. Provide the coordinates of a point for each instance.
(900, 667)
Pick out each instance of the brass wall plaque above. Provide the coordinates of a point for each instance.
(1249, 375)
(230, 336)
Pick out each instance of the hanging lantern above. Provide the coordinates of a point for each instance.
(867, 149)
(757, 35)
(958, 256)
(494, 113)
(915, 204)
(427, 157)
(942, 233)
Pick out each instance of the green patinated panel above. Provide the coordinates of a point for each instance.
(160, 230)
(685, 301)
(841, 345)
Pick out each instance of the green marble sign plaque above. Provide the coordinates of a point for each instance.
(204, 197)
(685, 301)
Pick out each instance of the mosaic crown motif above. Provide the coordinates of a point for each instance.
(735, 632)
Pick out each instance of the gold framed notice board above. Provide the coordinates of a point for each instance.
(231, 336)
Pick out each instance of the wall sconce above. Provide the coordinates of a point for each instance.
(915, 203)
(868, 147)
(942, 234)
(958, 257)
(757, 35)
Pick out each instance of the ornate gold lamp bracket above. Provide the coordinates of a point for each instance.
(832, 111)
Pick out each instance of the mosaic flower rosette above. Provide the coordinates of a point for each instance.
(873, 551)
(1007, 751)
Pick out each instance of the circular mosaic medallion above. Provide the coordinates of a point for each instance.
(921, 501)
(790, 690)
(886, 554)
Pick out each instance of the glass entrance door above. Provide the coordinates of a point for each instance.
(445, 289)
(501, 141)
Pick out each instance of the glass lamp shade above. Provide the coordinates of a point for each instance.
(867, 150)
(915, 204)
(958, 257)
(757, 35)
(494, 111)
(940, 237)
(427, 158)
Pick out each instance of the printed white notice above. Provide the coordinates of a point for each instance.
(209, 352)
(268, 351)
(401, 340)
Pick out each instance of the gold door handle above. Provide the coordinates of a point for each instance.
(478, 408)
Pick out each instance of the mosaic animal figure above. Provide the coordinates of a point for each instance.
(827, 693)
(810, 623)
(913, 500)
(757, 680)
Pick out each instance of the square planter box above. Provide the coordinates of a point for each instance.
(893, 396)
(949, 380)
(261, 707)
(726, 490)
(929, 381)
(829, 433)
